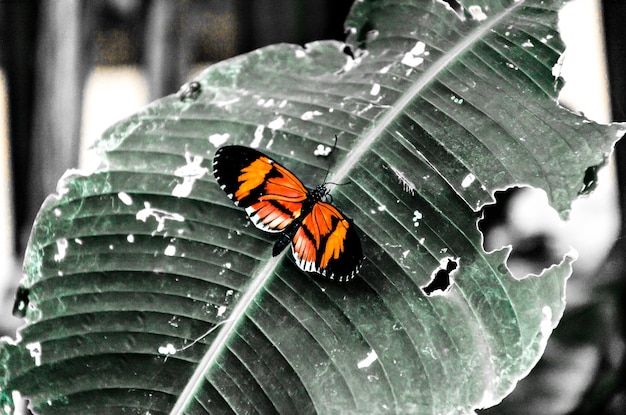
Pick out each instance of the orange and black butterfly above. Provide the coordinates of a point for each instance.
(323, 240)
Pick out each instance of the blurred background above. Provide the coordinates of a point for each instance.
(70, 68)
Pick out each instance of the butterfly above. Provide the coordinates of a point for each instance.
(323, 240)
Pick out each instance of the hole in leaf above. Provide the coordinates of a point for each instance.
(454, 5)
(21, 302)
(348, 51)
(523, 219)
(590, 180)
(441, 280)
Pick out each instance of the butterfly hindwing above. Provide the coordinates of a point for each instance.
(327, 243)
(271, 195)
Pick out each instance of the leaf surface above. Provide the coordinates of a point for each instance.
(150, 291)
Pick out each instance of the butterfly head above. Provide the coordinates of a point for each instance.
(320, 193)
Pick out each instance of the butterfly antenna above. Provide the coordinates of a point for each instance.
(340, 184)
(328, 167)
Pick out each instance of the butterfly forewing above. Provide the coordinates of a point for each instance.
(271, 195)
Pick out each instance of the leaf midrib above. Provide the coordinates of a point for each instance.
(370, 135)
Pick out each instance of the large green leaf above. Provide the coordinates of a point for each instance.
(149, 292)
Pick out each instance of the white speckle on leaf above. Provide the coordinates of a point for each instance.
(218, 139)
(406, 253)
(419, 48)
(512, 66)
(407, 185)
(349, 64)
(477, 13)
(382, 208)
(159, 215)
(258, 136)
(78, 241)
(170, 250)
(190, 172)
(468, 180)
(283, 103)
(417, 215)
(456, 99)
(125, 198)
(528, 44)
(57, 212)
(35, 352)
(221, 310)
(130, 238)
(411, 60)
(385, 69)
(375, 89)
(168, 349)
(371, 358)
(61, 249)
(414, 57)
(300, 53)
(276, 123)
(322, 150)
(310, 114)
(226, 102)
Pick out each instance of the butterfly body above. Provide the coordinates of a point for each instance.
(323, 240)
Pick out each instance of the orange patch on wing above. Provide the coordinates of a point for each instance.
(335, 243)
(286, 187)
(252, 176)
